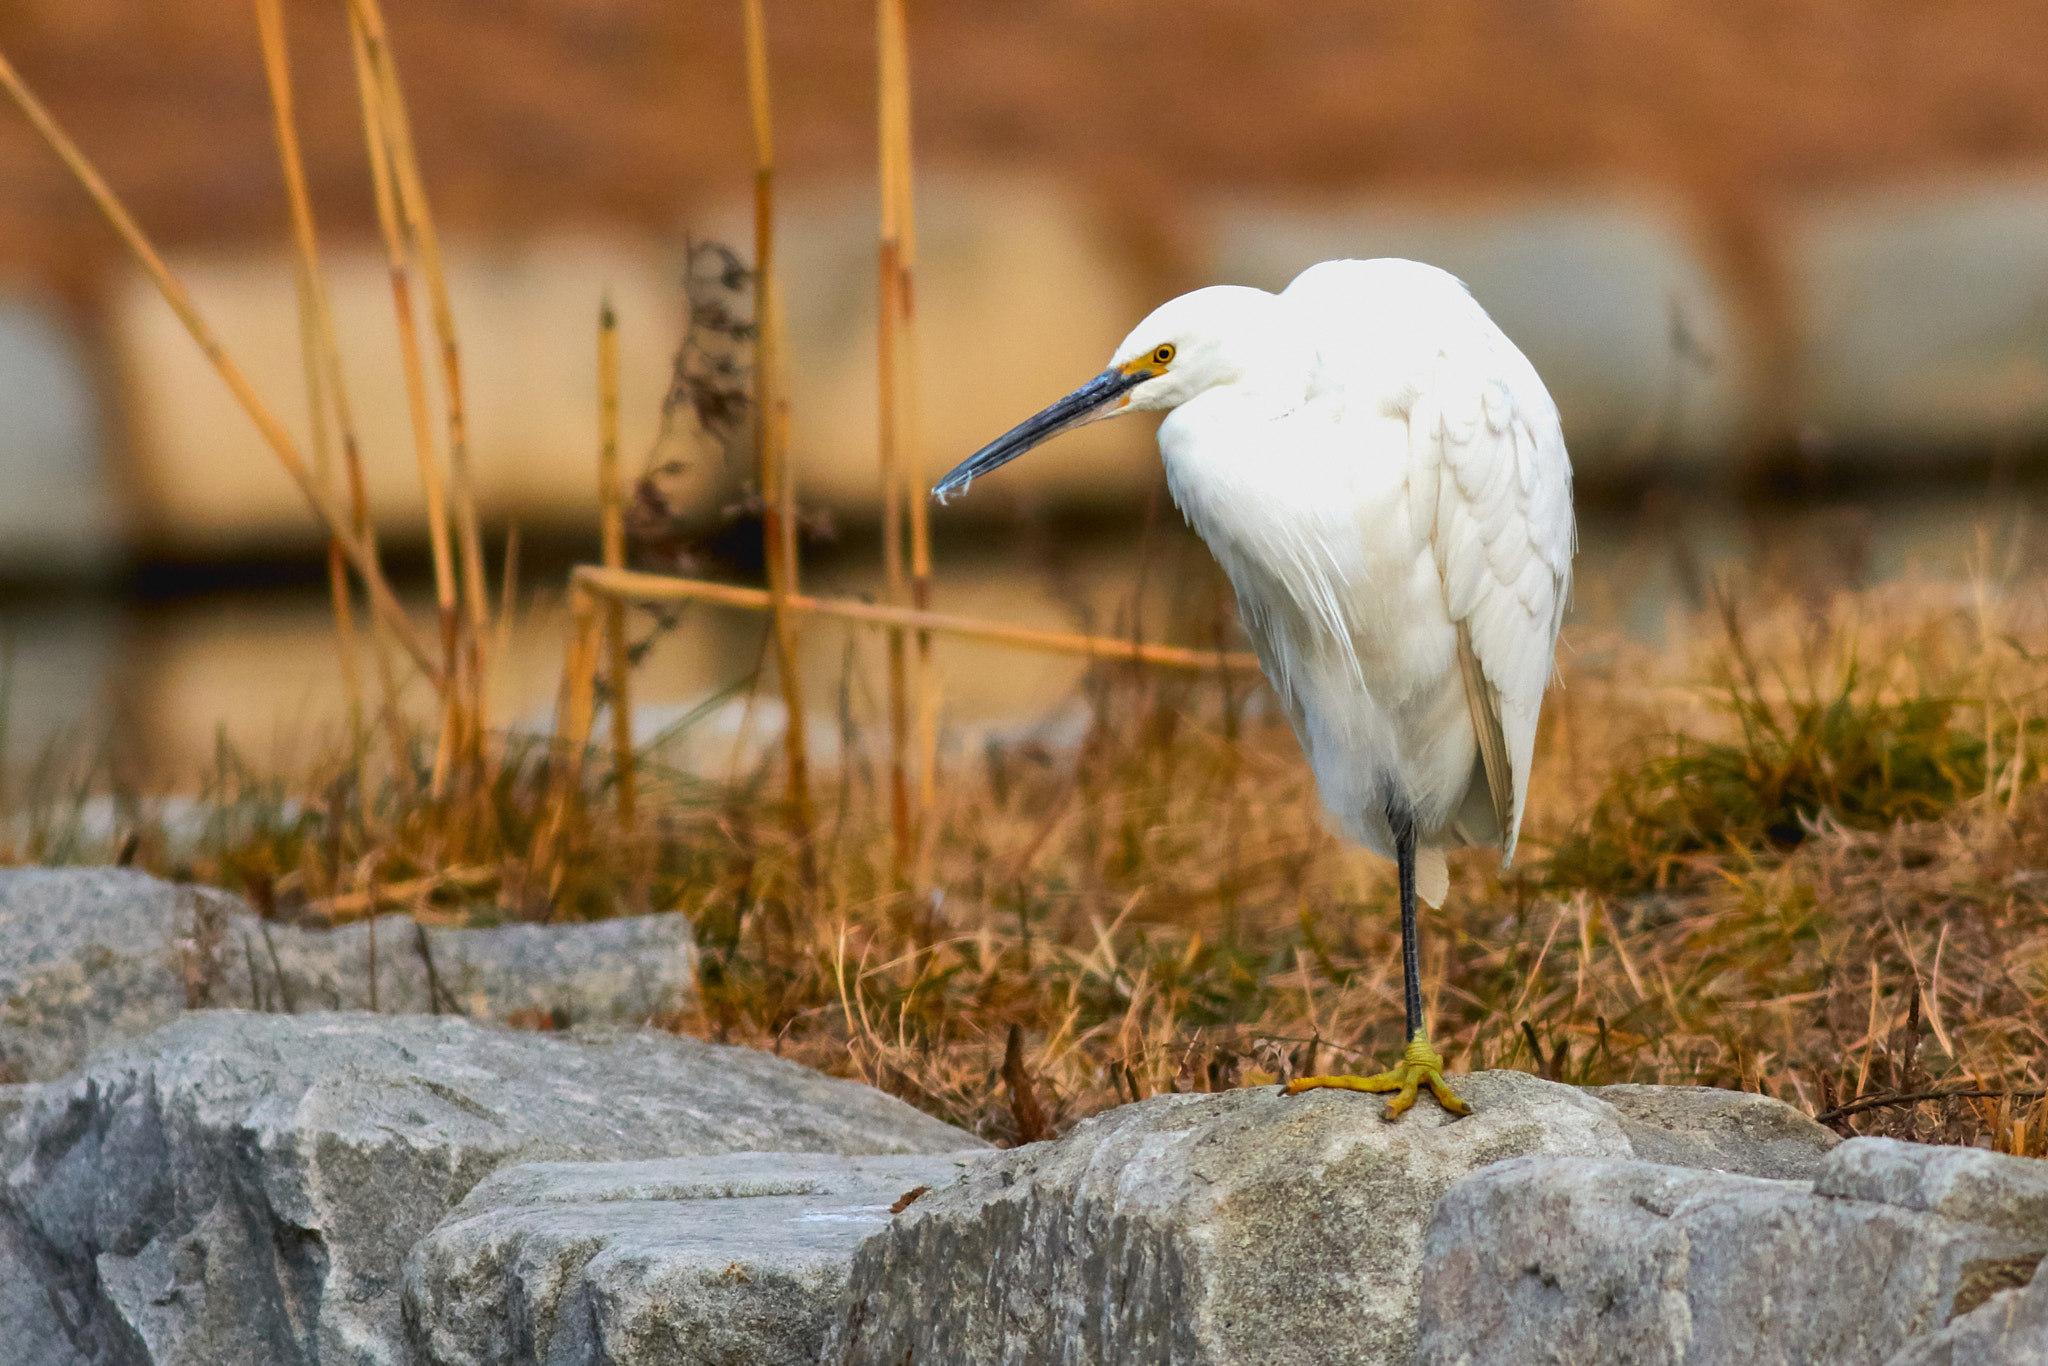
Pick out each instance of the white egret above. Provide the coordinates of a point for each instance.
(1382, 476)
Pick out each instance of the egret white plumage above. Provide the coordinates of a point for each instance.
(1382, 476)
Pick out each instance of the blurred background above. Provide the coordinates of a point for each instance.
(1783, 263)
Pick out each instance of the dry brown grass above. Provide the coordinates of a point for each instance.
(1797, 853)
(1163, 910)
(1161, 907)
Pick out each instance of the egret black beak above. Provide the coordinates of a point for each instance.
(1096, 399)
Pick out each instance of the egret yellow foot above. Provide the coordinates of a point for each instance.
(1420, 1067)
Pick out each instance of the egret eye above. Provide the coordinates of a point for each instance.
(1163, 355)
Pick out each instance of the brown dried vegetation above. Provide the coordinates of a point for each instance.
(1801, 852)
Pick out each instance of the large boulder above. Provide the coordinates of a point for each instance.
(244, 1188)
(698, 1259)
(2009, 1329)
(1715, 1130)
(629, 971)
(89, 955)
(1602, 1262)
(1236, 1228)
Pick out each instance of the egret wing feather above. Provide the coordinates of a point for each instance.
(1489, 483)
(1486, 438)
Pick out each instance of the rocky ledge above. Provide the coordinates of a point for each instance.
(1896, 1254)
(241, 1188)
(737, 1259)
(237, 1188)
(92, 955)
(1244, 1227)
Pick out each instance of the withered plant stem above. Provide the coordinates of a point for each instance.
(892, 149)
(508, 590)
(633, 586)
(1863, 1103)
(418, 219)
(777, 486)
(911, 444)
(273, 432)
(383, 180)
(327, 391)
(277, 74)
(612, 520)
(575, 706)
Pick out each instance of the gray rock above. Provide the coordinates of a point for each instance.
(1961, 1183)
(1599, 1261)
(1243, 1227)
(626, 971)
(36, 1307)
(1715, 1130)
(2009, 1329)
(1531, 1260)
(687, 1260)
(89, 955)
(244, 1188)
(1248, 1227)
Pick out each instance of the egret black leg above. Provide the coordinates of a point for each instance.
(1411, 953)
(1420, 1066)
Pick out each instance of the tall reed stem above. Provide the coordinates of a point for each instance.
(770, 421)
(383, 180)
(418, 220)
(319, 499)
(612, 521)
(277, 74)
(899, 188)
(892, 149)
(327, 393)
(575, 707)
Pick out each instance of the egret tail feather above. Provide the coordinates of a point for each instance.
(1432, 875)
(1484, 702)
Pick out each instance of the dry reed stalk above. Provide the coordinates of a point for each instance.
(924, 683)
(383, 180)
(359, 514)
(410, 895)
(345, 639)
(418, 219)
(323, 505)
(277, 74)
(633, 586)
(508, 590)
(888, 312)
(575, 707)
(777, 485)
(327, 390)
(612, 519)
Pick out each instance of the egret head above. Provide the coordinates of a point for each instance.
(1221, 335)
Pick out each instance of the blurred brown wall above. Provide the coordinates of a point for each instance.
(572, 112)
(574, 116)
